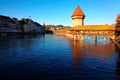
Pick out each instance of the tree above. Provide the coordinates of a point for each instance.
(118, 18)
(118, 23)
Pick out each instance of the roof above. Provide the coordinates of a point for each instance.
(78, 12)
(93, 27)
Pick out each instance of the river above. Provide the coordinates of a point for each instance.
(51, 57)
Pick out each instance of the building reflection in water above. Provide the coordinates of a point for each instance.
(80, 49)
(20, 41)
(118, 61)
(76, 52)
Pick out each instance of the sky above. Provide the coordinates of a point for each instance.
(58, 12)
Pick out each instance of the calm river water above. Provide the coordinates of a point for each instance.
(51, 57)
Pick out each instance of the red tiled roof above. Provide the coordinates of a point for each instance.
(93, 27)
(78, 12)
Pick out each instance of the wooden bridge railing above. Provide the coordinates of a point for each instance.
(78, 34)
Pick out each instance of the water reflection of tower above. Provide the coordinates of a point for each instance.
(76, 52)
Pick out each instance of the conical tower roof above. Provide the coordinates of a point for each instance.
(78, 12)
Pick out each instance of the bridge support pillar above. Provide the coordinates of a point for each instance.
(82, 37)
(74, 37)
(95, 38)
(78, 36)
(88, 38)
(104, 38)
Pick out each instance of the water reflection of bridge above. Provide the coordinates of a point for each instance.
(80, 49)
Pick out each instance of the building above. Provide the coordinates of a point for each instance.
(78, 24)
(79, 30)
(78, 17)
(7, 24)
(28, 25)
(13, 25)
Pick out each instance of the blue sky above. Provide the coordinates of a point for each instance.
(59, 11)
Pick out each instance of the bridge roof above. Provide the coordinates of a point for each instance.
(94, 27)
